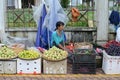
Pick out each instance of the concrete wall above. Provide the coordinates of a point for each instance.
(72, 34)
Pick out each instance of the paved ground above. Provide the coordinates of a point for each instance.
(60, 77)
(98, 76)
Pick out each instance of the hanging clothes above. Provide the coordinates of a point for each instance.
(114, 18)
(75, 14)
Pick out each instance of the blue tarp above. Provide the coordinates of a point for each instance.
(39, 41)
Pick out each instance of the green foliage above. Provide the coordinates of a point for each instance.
(81, 7)
(20, 18)
(64, 3)
(77, 24)
(90, 15)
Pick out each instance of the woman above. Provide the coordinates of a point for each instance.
(58, 36)
(58, 39)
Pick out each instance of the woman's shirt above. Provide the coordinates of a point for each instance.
(57, 39)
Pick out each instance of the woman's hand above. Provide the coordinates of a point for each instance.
(66, 49)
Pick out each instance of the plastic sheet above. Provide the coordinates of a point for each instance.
(118, 35)
(50, 6)
(20, 40)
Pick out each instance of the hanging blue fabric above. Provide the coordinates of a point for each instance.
(114, 18)
(39, 38)
(46, 37)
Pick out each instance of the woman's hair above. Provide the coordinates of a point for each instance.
(58, 24)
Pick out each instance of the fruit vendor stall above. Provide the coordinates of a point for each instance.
(20, 59)
(25, 61)
(41, 61)
(111, 57)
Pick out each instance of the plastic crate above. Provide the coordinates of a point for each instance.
(84, 68)
(1, 67)
(29, 66)
(98, 61)
(79, 57)
(59, 67)
(8, 67)
(111, 64)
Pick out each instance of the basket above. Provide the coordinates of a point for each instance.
(45, 58)
(28, 59)
(9, 58)
(29, 55)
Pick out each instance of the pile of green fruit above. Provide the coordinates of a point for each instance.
(7, 53)
(29, 54)
(55, 54)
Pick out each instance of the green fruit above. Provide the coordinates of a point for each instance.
(55, 53)
(29, 54)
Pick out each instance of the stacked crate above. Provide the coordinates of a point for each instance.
(52, 67)
(29, 66)
(84, 63)
(8, 66)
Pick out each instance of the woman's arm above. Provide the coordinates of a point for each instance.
(64, 48)
(60, 46)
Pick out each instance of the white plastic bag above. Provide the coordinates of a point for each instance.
(111, 28)
(118, 35)
(36, 13)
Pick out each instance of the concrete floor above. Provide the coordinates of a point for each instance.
(61, 77)
(100, 75)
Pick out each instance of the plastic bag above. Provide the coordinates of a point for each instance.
(36, 12)
(54, 13)
(118, 35)
(20, 40)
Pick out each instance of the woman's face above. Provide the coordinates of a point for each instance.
(61, 27)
